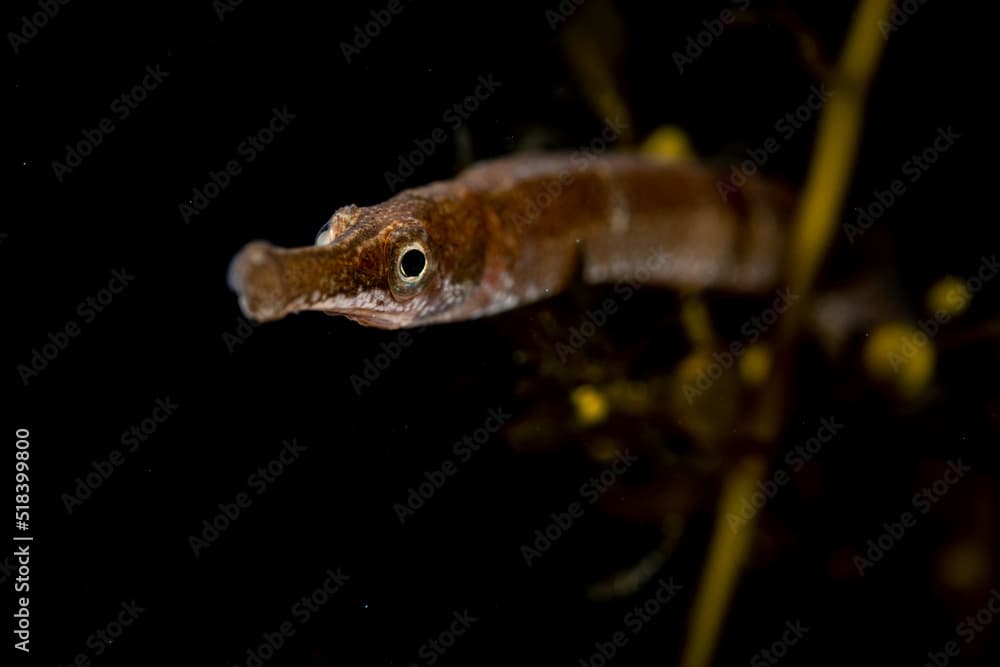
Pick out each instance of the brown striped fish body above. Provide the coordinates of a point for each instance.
(515, 230)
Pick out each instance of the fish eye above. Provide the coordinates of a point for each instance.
(412, 263)
(323, 235)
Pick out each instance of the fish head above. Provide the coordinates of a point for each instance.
(400, 264)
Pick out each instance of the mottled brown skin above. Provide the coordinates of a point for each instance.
(515, 230)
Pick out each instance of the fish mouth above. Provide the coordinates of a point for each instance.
(257, 275)
(272, 282)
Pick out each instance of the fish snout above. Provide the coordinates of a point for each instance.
(256, 274)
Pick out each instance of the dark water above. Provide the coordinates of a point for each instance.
(167, 329)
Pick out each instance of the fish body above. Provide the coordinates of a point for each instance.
(515, 230)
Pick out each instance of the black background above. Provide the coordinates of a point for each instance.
(165, 336)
